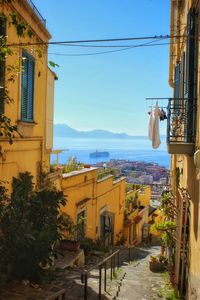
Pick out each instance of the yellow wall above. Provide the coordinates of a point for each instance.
(29, 151)
(143, 195)
(143, 199)
(51, 77)
(85, 192)
(189, 179)
(128, 228)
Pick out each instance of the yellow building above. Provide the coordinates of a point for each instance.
(137, 214)
(183, 140)
(100, 202)
(32, 92)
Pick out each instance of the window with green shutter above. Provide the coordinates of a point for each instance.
(27, 87)
(2, 64)
(191, 60)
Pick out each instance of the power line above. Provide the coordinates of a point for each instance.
(105, 52)
(98, 46)
(97, 41)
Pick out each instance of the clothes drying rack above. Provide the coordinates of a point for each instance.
(158, 99)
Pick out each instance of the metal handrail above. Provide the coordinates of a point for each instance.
(36, 11)
(102, 264)
(60, 295)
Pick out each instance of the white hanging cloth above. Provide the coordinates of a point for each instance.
(153, 129)
(155, 134)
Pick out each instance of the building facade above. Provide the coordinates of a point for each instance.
(136, 228)
(183, 139)
(99, 202)
(31, 90)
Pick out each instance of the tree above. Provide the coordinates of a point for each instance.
(29, 227)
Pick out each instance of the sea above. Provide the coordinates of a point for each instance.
(135, 149)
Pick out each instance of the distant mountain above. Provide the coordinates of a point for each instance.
(63, 130)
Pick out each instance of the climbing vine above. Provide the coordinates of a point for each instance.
(22, 29)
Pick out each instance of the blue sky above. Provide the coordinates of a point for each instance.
(107, 91)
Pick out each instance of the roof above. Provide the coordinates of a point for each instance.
(78, 172)
(29, 8)
(53, 73)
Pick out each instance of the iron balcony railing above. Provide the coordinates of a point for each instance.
(181, 120)
(36, 11)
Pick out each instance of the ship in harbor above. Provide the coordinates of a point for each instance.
(99, 154)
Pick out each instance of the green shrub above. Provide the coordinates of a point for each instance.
(87, 245)
(29, 228)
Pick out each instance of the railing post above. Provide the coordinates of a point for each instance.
(118, 260)
(114, 265)
(129, 253)
(105, 279)
(111, 268)
(82, 278)
(85, 287)
(100, 276)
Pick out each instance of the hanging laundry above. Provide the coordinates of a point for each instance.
(155, 134)
(150, 131)
(163, 115)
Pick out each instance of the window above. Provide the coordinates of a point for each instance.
(2, 63)
(191, 55)
(27, 87)
(81, 225)
(177, 78)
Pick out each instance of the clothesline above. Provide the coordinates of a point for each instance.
(155, 104)
(158, 106)
(158, 98)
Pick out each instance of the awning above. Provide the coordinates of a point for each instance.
(137, 219)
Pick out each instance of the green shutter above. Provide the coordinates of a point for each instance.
(24, 88)
(191, 75)
(30, 89)
(182, 85)
(177, 78)
(190, 53)
(27, 87)
(2, 64)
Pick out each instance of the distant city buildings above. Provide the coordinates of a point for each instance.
(139, 172)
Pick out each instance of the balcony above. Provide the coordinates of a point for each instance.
(181, 124)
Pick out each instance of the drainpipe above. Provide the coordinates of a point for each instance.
(171, 77)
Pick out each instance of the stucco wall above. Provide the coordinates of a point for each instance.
(84, 192)
(28, 150)
(185, 163)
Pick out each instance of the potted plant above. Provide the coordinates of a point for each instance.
(157, 263)
(68, 232)
(69, 245)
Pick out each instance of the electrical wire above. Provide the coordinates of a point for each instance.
(111, 51)
(97, 41)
